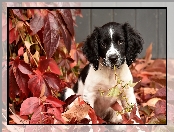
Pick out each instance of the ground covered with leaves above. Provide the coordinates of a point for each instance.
(44, 59)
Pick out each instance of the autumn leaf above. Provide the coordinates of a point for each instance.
(160, 119)
(22, 81)
(160, 107)
(35, 85)
(18, 12)
(161, 93)
(48, 64)
(67, 16)
(113, 92)
(21, 51)
(57, 113)
(134, 116)
(29, 106)
(37, 117)
(54, 101)
(25, 68)
(52, 80)
(67, 38)
(76, 53)
(50, 34)
(12, 35)
(148, 53)
(93, 116)
(13, 86)
(37, 22)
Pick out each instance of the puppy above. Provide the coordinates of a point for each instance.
(110, 50)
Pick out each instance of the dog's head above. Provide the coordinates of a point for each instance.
(115, 43)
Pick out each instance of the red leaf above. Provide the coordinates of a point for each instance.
(76, 53)
(66, 62)
(29, 106)
(45, 63)
(157, 66)
(93, 116)
(18, 12)
(134, 116)
(160, 107)
(21, 51)
(56, 112)
(22, 81)
(25, 68)
(54, 101)
(67, 38)
(67, 16)
(37, 117)
(50, 35)
(37, 22)
(13, 86)
(12, 35)
(36, 83)
(161, 93)
(52, 80)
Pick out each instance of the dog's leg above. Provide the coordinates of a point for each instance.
(89, 97)
(131, 100)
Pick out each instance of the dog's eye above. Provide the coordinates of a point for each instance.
(120, 42)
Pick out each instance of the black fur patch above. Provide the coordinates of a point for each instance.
(82, 76)
(62, 95)
(84, 73)
(75, 88)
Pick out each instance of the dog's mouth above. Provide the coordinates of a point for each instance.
(111, 64)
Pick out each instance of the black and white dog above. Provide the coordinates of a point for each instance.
(113, 44)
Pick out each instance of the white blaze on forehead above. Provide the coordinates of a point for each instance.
(113, 50)
(111, 32)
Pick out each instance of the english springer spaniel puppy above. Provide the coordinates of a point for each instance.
(112, 45)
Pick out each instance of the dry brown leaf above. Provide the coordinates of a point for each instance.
(151, 102)
(78, 110)
(148, 53)
(141, 66)
(147, 90)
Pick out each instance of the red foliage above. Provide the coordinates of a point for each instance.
(44, 59)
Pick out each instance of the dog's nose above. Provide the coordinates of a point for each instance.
(113, 58)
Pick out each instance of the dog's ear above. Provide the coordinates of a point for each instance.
(134, 43)
(90, 48)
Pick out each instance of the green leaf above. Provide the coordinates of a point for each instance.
(114, 92)
(132, 84)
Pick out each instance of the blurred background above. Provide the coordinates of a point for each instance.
(150, 23)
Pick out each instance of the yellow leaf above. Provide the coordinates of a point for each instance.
(113, 92)
(26, 57)
(27, 44)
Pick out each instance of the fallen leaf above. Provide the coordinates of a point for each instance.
(151, 102)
